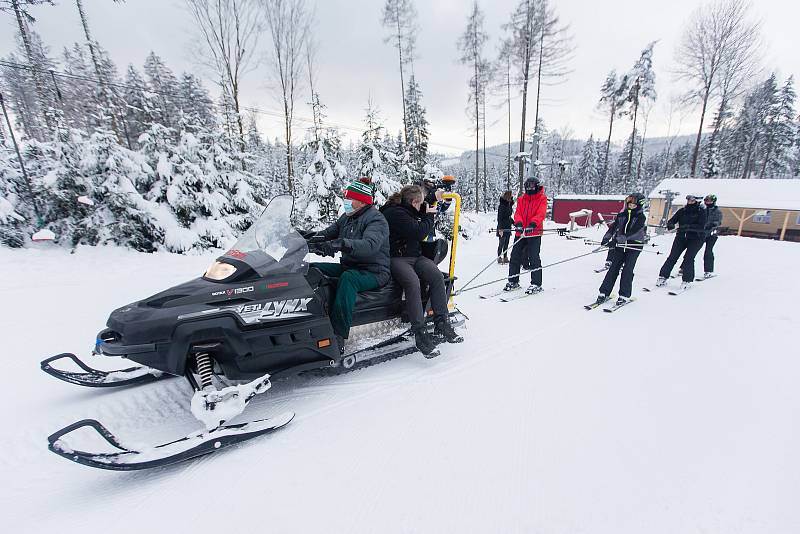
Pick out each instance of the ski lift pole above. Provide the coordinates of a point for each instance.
(456, 229)
(21, 164)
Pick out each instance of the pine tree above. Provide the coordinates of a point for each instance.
(163, 83)
(417, 127)
(376, 159)
(588, 172)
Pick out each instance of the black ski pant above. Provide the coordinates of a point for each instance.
(502, 247)
(410, 272)
(708, 255)
(692, 247)
(526, 253)
(624, 260)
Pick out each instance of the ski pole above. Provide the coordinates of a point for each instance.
(634, 247)
(527, 271)
(559, 231)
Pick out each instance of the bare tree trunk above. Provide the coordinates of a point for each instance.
(608, 148)
(699, 133)
(485, 168)
(629, 170)
(767, 155)
(641, 150)
(35, 72)
(508, 101)
(402, 82)
(538, 93)
(100, 77)
(477, 137)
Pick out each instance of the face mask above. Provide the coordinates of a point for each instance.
(348, 206)
(530, 191)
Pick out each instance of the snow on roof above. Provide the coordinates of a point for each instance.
(619, 198)
(751, 193)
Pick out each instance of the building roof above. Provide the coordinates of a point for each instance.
(591, 197)
(752, 193)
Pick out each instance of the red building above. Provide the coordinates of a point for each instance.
(607, 205)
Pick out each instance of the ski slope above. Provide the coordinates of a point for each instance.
(672, 415)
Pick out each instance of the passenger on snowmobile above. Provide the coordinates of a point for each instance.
(691, 222)
(361, 234)
(432, 247)
(713, 222)
(528, 221)
(410, 220)
(625, 238)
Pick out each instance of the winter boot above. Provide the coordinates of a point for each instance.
(533, 289)
(424, 343)
(505, 259)
(444, 329)
(661, 281)
(511, 286)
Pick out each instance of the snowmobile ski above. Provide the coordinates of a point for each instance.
(96, 378)
(596, 304)
(191, 446)
(616, 306)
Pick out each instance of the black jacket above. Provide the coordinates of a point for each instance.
(629, 226)
(691, 221)
(365, 241)
(713, 219)
(407, 229)
(505, 214)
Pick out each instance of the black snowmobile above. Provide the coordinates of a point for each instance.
(259, 312)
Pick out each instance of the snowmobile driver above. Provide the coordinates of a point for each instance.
(410, 221)
(528, 221)
(625, 239)
(691, 221)
(361, 234)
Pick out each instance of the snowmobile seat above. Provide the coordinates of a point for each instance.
(371, 306)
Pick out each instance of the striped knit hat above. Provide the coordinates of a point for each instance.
(360, 190)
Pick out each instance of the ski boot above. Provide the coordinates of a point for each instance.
(499, 260)
(444, 330)
(601, 298)
(511, 286)
(533, 289)
(685, 286)
(706, 276)
(622, 300)
(607, 265)
(661, 282)
(424, 343)
(505, 259)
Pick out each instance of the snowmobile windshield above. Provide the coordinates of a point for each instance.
(271, 245)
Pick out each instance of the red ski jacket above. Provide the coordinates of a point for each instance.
(531, 209)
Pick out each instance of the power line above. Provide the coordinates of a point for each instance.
(252, 109)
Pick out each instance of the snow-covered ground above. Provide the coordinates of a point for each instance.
(673, 415)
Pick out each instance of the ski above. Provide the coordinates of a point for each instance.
(129, 458)
(498, 293)
(519, 296)
(616, 306)
(596, 304)
(601, 269)
(679, 290)
(704, 278)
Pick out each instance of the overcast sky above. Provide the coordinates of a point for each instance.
(355, 63)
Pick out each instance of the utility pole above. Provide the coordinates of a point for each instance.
(669, 196)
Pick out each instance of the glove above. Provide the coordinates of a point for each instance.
(307, 234)
(670, 227)
(622, 239)
(518, 226)
(329, 248)
(606, 240)
(531, 225)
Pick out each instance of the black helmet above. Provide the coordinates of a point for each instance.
(638, 198)
(533, 183)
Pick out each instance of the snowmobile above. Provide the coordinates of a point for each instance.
(260, 312)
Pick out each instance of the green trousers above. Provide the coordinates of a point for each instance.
(351, 282)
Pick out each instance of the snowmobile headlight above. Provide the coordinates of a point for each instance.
(220, 271)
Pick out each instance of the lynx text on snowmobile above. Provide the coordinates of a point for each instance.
(258, 313)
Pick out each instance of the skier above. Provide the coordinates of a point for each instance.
(361, 234)
(713, 222)
(505, 220)
(410, 220)
(528, 221)
(691, 222)
(625, 238)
